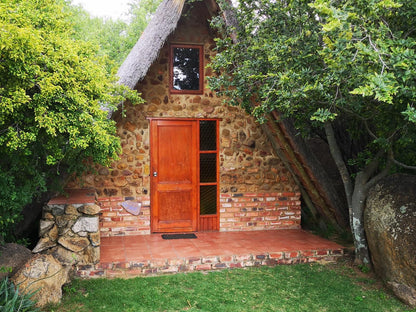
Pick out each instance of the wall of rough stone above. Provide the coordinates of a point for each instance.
(248, 163)
(69, 229)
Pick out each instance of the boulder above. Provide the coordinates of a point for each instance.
(390, 218)
(12, 257)
(44, 275)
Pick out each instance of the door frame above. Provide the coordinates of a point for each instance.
(216, 218)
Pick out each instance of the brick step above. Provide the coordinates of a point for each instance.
(191, 264)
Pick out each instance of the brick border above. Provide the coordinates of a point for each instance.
(192, 264)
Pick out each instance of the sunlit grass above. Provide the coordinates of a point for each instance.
(283, 288)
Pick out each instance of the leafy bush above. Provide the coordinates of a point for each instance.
(11, 300)
(52, 90)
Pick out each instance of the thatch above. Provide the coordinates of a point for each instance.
(147, 48)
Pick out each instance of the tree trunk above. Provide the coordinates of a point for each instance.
(359, 196)
(356, 194)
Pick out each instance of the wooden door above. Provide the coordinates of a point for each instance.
(174, 175)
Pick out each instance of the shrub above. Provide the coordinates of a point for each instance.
(11, 300)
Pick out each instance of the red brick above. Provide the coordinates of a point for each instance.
(293, 254)
(105, 266)
(203, 267)
(157, 263)
(226, 258)
(193, 260)
(209, 260)
(117, 273)
(322, 252)
(243, 258)
(307, 254)
(225, 195)
(122, 265)
(276, 255)
(134, 272)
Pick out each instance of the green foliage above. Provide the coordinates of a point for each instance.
(11, 300)
(114, 37)
(52, 88)
(320, 61)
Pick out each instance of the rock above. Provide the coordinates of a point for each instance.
(45, 226)
(91, 255)
(91, 209)
(44, 275)
(65, 221)
(403, 291)
(71, 210)
(64, 255)
(390, 218)
(57, 210)
(53, 233)
(12, 257)
(43, 244)
(75, 244)
(86, 224)
(95, 239)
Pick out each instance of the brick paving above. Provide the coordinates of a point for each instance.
(128, 256)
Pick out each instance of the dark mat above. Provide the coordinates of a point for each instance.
(178, 236)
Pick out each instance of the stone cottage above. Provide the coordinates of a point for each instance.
(189, 162)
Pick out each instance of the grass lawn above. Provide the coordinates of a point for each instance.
(304, 287)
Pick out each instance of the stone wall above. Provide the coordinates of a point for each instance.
(70, 231)
(248, 163)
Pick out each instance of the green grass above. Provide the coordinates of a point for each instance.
(294, 288)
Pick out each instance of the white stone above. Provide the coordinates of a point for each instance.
(86, 224)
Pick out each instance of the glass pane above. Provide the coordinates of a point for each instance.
(208, 168)
(208, 195)
(185, 69)
(208, 135)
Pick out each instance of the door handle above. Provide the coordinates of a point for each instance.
(155, 173)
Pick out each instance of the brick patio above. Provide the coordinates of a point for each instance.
(128, 256)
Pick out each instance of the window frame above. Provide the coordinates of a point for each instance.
(201, 69)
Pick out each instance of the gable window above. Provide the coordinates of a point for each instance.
(186, 70)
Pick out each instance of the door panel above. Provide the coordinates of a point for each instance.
(174, 187)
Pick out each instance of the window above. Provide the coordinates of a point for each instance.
(208, 166)
(186, 70)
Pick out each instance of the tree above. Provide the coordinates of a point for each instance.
(115, 38)
(52, 90)
(344, 70)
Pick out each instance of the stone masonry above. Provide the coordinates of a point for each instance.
(70, 232)
(257, 191)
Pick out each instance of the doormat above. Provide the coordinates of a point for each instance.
(178, 236)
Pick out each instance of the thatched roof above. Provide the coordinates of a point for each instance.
(147, 48)
(291, 151)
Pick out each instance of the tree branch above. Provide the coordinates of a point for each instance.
(398, 163)
(378, 177)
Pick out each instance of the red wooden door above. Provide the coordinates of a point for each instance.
(174, 175)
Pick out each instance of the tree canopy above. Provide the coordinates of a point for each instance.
(348, 65)
(114, 37)
(52, 91)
